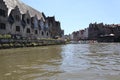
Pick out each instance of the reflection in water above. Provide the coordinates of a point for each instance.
(105, 56)
(63, 62)
(73, 57)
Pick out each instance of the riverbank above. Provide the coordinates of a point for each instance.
(83, 42)
(17, 43)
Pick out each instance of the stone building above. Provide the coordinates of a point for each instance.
(100, 32)
(76, 36)
(80, 35)
(54, 27)
(95, 30)
(103, 31)
(19, 19)
(85, 34)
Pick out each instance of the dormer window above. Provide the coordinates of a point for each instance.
(17, 17)
(28, 21)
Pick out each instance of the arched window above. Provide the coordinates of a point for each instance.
(47, 34)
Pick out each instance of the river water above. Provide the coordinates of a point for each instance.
(99, 61)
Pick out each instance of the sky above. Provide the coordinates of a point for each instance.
(75, 15)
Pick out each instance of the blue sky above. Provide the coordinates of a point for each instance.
(77, 14)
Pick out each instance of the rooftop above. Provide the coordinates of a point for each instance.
(11, 4)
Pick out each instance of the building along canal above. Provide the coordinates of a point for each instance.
(98, 61)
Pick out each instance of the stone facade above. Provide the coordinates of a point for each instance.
(76, 36)
(80, 35)
(97, 31)
(83, 34)
(100, 32)
(18, 19)
(54, 27)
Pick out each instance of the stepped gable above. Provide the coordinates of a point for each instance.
(11, 4)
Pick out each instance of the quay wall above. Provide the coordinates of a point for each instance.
(17, 43)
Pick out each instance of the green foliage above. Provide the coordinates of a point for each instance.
(5, 36)
(1, 36)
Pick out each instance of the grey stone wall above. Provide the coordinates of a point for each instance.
(26, 22)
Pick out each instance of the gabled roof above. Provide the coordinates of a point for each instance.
(11, 4)
(51, 18)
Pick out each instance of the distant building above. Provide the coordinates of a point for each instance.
(104, 32)
(85, 34)
(76, 36)
(98, 31)
(95, 30)
(80, 35)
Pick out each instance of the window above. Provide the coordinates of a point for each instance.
(36, 32)
(2, 26)
(47, 33)
(18, 28)
(28, 21)
(42, 33)
(2, 12)
(28, 30)
(17, 17)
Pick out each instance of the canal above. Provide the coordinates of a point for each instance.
(99, 61)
